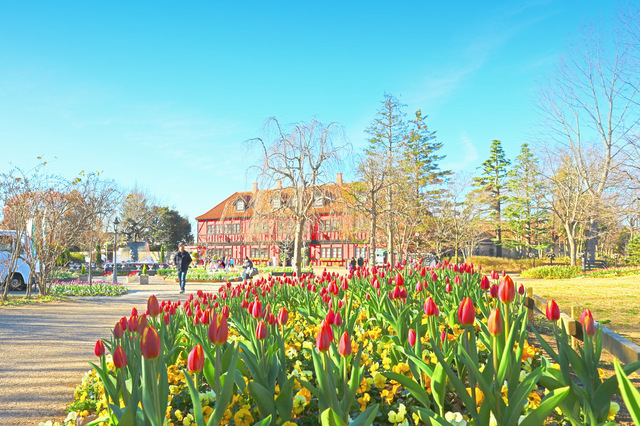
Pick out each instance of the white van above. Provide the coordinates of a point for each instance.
(21, 273)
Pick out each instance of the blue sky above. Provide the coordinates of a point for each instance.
(163, 94)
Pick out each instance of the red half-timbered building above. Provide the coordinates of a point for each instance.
(256, 224)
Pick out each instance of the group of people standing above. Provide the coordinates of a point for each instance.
(182, 259)
(351, 266)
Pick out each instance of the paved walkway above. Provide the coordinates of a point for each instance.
(45, 348)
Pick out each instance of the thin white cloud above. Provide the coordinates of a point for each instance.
(461, 162)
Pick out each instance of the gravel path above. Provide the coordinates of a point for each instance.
(45, 348)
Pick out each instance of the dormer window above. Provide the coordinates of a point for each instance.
(319, 202)
(276, 203)
(240, 206)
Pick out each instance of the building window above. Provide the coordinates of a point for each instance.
(276, 203)
(240, 206)
(232, 228)
(330, 225)
(211, 229)
(361, 252)
(331, 252)
(259, 253)
(319, 202)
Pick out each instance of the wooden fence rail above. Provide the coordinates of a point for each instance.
(613, 343)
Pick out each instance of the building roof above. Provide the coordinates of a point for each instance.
(227, 210)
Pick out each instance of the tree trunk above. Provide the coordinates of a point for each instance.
(572, 243)
(372, 241)
(390, 236)
(297, 246)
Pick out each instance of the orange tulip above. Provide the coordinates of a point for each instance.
(153, 307)
(195, 361)
(150, 343)
(495, 322)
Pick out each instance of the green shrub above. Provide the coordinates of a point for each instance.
(76, 257)
(83, 270)
(144, 270)
(633, 251)
(552, 272)
(502, 263)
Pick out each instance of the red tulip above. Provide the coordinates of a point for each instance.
(218, 330)
(553, 311)
(419, 287)
(150, 343)
(134, 312)
(123, 323)
(99, 348)
(412, 337)
(283, 316)
(325, 336)
(466, 312)
(430, 307)
(225, 311)
(507, 290)
(118, 331)
(434, 277)
(588, 324)
(484, 283)
(495, 323)
(133, 323)
(399, 279)
(261, 330)
(119, 357)
(195, 361)
(448, 288)
(521, 289)
(457, 280)
(443, 336)
(166, 318)
(494, 275)
(344, 346)
(153, 307)
(493, 292)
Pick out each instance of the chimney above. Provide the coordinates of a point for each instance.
(255, 188)
(278, 184)
(339, 179)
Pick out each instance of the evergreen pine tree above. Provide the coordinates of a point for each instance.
(387, 141)
(633, 251)
(492, 181)
(526, 212)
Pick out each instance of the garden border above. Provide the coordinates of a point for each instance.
(621, 348)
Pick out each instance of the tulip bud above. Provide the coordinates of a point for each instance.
(588, 324)
(434, 277)
(119, 357)
(412, 337)
(118, 331)
(150, 343)
(495, 323)
(419, 287)
(448, 288)
(430, 307)
(325, 336)
(494, 275)
(507, 290)
(484, 283)
(134, 312)
(399, 279)
(553, 311)
(331, 316)
(344, 346)
(493, 292)
(99, 348)
(283, 316)
(466, 312)
(443, 336)
(261, 330)
(457, 280)
(521, 289)
(152, 306)
(166, 318)
(195, 361)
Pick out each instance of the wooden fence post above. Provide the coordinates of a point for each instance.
(575, 314)
(529, 304)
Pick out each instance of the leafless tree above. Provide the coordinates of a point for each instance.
(301, 158)
(591, 104)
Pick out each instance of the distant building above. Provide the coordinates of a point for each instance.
(256, 224)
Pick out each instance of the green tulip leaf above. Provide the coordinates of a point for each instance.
(630, 394)
(330, 418)
(538, 416)
(367, 417)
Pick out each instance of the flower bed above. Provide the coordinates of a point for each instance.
(399, 346)
(83, 288)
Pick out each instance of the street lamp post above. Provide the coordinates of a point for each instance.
(115, 250)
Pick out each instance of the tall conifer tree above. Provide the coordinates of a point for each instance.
(492, 181)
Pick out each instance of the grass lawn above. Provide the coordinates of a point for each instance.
(615, 299)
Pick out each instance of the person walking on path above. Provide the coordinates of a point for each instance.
(182, 260)
(248, 268)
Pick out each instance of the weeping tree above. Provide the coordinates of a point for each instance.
(300, 156)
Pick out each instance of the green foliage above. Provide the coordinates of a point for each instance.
(489, 263)
(98, 256)
(492, 181)
(526, 211)
(144, 270)
(633, 251)
(552, 272)
(162, 254)
(388, 129)
(83, 270)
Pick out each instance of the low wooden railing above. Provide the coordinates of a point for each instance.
(621, 348)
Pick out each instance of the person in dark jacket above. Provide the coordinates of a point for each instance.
(182, 260)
